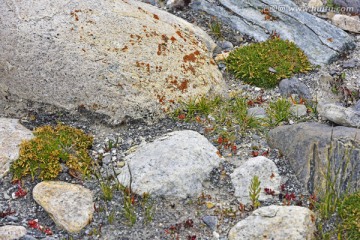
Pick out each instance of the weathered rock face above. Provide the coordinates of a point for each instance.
(276, 222)
(353, 4)
(347, 23)
(117, 58)
(175, 165)
(321, 41)
(12, 133)
(306, 146)
(260, 166)
(69, 205)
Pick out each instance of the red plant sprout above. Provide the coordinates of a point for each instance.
(282, 187)
(266, 153)
(191, 237)
(290, 196)
(188, 223)
(20, 192)
(220, 140)
(7, 212)
(182, 116)
(35, 224)
(255, 153)
(234, 149)
(269, 191)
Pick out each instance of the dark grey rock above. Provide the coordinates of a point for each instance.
(211, 222)
(306, 146)
(350, 63)
(294, 86)
(309, 32)
(354, 4)
(356, 107)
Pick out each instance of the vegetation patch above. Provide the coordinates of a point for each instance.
(43, 155)
(349, 212)
(264, 64)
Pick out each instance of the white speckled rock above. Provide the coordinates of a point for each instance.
(348, 23)
(276, 222)
(343, 116)
(10, 232)
(69, 205)
(122, 59)
(12, 133)
(174, 165)
(260, 166)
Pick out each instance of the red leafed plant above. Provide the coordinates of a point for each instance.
(269, 191)
(35, 224)
(290, 196)
(20, 192)
(7, 212)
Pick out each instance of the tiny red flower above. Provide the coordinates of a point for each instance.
(189, 223)
(269, 191)
(220, 140)
(182, 116)
(282, 186)
(234, 149)
(255, 153)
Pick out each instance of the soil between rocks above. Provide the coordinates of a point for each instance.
(170, 215)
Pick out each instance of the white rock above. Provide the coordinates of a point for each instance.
(276, 222)
(174, 165)
(351, 24)
(347, 117)
(69, 205)
(315, 3)
(9, 232)
(12, 133)
(260, 166)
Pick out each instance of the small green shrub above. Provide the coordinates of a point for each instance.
(279, 111)
(251, 63)
(42, 156)
(349, 212)
(254, 191)
(215, 28)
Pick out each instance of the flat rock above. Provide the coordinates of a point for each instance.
(306, 147)
(321, 41)
(12, 133)
(174, 165)
(298, 110)
(257, 112)
(353, 5)
(260, 166)
(69, 205)
(276, 222)
(348, 117)
(294, 86)
(10, 232)
(348, 23)
(121, 59)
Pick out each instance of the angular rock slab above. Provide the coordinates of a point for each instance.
(347, 117)
(12, 133)
(321, 41)
(174, 165)
(276, 222)
(306, 146)
(10, 232)
(121, 59)
(260, 166)
(69, 205)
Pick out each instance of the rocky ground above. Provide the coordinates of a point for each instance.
(211, 214)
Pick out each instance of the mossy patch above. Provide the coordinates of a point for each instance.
(264, 64)
(41, 157)
(349, 212)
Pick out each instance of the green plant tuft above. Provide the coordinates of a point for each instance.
(42, 156)
(252, 63)
(279, 111)
(254, 191)
(349, 212)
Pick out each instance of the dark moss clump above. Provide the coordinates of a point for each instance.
(255, 63)
(42, 156)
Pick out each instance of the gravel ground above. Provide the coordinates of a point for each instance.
(172, 219)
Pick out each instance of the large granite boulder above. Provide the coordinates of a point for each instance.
(174, 165)
(321, 41)
(122, 59)
(313, 148)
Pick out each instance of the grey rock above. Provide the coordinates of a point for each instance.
(306, 146)
(211, 222)
(354, 4)
(310, 33)
(12, 133)
(129, 62)
(174, 165)
(348, 117)
(298, 110)
(9, 232)
(260, 166)
(226, 45)
(294, 86)
(276, 222)
(257, 112)
(356, 107)
(350, 63)
(28, 237)
(348, 23)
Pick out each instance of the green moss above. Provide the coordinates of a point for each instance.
(41, 157)
(251, 63)
(349, 212)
